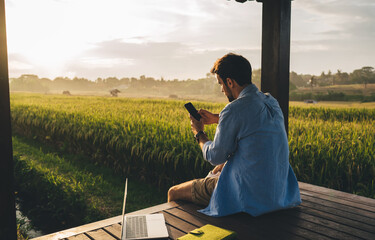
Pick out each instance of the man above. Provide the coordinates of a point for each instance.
(250, 150)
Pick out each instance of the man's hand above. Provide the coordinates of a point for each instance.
(196, 126)
(208, 117)
(218, 168)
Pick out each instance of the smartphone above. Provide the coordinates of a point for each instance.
(192, 110)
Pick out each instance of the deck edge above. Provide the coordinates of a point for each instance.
(103, 223)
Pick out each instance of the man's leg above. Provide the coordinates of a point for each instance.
(181, 192)
(198, 191)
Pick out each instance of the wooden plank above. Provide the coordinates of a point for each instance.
(100, 234)
(281, 226)
(78, 237)
(173, 232)
(223, 223)
(339, 212)
(242, 223)
(348, 231)
(114, 230)
(290, 226)
(338, 199)
(157, 208)
(343, 210)
(336, 218)
(245, 225)
(8, 227)
(178, 223)
(100, 224)
(337, 194)
(299, 221)
(320, 216)
(80, 229)
(196, 221)
(303, 224)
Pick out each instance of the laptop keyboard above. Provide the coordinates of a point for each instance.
(136, 227)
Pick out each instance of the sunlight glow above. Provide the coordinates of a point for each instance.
(59, 37)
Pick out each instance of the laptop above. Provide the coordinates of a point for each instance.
(146, 226)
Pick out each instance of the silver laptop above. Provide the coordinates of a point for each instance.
(142, 226)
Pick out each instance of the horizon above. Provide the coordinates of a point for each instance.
(178, 40)
(155, 78)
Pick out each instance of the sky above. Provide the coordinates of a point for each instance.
(178, 39)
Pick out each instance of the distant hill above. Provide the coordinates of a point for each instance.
(359, 85)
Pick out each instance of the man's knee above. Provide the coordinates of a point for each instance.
(180, 192)
(172, 194)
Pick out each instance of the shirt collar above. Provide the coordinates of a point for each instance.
(247, 90)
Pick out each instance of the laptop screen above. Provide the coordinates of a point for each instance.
(123, 206)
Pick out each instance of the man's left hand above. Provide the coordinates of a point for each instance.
(196, 126)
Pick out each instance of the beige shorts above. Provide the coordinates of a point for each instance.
(202, 190)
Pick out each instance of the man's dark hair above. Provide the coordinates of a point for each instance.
(235, 67)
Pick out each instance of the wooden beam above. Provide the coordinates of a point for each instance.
(8, 228)
(276, 51)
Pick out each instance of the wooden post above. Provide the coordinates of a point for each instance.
(276, 51)
(8, 228)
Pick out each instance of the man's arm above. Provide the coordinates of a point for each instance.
(197, 126)
(224, 144)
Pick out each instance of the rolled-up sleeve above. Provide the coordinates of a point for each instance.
(224, 144)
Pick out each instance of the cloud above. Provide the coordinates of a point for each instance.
(351, 17)
(330, 35)
(179, 39)
(119, 48)
(156, 59)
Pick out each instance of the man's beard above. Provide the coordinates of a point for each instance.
(230, 95)
(230, 98)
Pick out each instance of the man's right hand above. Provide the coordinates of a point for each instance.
(208, 117)
(218, 168)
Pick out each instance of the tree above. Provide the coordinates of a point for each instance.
(124, 81)
(330, 77)
(364, 75)
(99, 80)
(296, 79)
(367, 75)
(112, 82)
(341, 77)
(29, 82)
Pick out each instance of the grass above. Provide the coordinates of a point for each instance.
(153, 139)
(338, 154)
(367, 105)
(74, 190)
(21, 235)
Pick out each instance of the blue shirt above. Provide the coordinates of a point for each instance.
(251, 138)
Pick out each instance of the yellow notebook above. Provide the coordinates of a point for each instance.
(209, 232)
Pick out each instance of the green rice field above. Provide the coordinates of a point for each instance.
(151, 140)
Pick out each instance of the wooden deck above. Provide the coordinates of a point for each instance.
(323, 214)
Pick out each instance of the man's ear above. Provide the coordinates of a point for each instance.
(230, 82)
